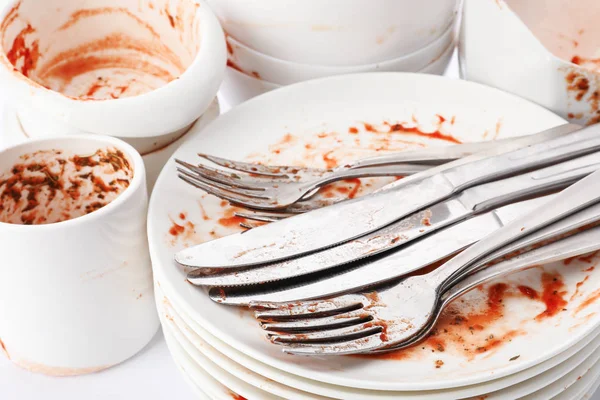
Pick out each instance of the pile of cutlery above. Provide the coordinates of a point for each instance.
(347, 279)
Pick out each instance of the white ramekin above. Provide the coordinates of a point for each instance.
(76, 296)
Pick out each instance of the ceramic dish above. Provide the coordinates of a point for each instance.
(284, 72)
(336, 32)
(124, 68)
(238, 87)
(439, 65)
(527, 381)
(14, 132)
(498, 49)
(574, 384)
(76, 264)
(321, 135)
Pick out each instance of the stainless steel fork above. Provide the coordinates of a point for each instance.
(399, 315)
(278, 187)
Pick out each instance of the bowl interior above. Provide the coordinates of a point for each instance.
(54, 180)
(101, 49)
(568, 29)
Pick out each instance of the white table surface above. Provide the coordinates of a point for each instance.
(150, 375)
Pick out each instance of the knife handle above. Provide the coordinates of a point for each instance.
(577, 197)
(576, 144)
(498, 193)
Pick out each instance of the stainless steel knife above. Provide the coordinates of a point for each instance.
(422, 253)
(340, 223)
(475, 200)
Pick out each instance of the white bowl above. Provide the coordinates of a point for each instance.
(284, 72)
(439, 65)
(498, 49)
(76, 296)
(335, 32)
(15, 131)
(238, 87)
(131, 47)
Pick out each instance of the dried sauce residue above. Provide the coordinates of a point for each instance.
(236, 396)
(3, 347)
(591, 299)
(49, 186)
(477, 332)
(230, 220)
(580, 87)
(114, 66)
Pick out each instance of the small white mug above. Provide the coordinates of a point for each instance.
(76, 296)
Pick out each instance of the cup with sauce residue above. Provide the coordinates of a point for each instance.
(139, 70)
(545, 51)
(75, 282)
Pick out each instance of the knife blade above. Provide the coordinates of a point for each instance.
(323, 228)
(468, 203)
(421, 254)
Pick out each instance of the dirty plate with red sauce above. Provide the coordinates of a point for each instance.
(500, 329)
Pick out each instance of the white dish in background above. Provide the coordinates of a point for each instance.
(528, 380)
(309, 122)
(284, 72)
(335, 32)
(14, 132)
(76, 295)
(238, 87)
(498, 49)
(176, 41)
(439, 65)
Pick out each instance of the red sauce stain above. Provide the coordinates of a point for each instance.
(181, 216)
(203, 212)
(176, 230)
(4, 349)
(370, 128)
(352, 130)
(224, 203)
(578, 286)
(330, 161)
(552, 295)
(591, 299)
(578, 84)
(590, 269)
(468, 333)
(453, 120)
(399, 128)
(170, 17)
(588, 258)
(351, 191)
(229, 48)
(20, 51)
(230, 220)
(236, 396)
(529, 292)
(441, 118)
(131, 54)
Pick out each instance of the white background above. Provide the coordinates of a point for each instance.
(150, 375)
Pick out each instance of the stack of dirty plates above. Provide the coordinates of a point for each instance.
(500, 341)
(272, 43)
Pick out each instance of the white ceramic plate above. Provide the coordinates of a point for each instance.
(574, 384)
(309, 123)
(511, 387)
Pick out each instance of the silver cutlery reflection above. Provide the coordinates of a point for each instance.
(345, 221)
(399, 315)
(263, 186)
(572, 246)
(277, 195)
(472, 201)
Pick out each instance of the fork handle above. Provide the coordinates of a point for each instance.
(572, 246)
(575, 198)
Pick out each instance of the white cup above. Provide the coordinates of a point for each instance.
(139, 69)
(76, 296)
